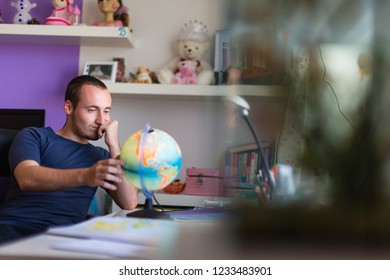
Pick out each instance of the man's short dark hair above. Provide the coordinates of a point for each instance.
(73, 89)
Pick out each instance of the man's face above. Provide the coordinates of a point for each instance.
(92, 111)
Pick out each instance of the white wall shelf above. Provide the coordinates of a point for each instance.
(66, 35)
(134, 89)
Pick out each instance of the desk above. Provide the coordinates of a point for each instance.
(40, 246)
(201, 241)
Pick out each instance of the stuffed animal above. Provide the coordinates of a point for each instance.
(62, 13)
(23, 14)
(192, 44)
(187, 72)
(142, 76)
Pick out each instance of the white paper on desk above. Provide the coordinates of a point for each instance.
(148, 232)
(109, 248)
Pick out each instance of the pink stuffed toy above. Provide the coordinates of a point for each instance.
(62, 14)
(187, 72)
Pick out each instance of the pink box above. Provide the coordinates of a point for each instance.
(204, 181)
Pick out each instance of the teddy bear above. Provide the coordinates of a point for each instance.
(187, 72)
(193, 44)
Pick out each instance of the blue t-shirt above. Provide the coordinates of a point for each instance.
(40, 210)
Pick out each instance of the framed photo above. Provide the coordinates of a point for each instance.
(103, 70)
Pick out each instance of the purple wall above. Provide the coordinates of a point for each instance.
(35, 76)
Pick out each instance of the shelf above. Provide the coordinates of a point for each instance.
(133, 89)
(66, 35)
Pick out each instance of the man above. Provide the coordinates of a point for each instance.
(55, 174)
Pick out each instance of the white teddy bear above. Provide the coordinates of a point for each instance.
(193, 44)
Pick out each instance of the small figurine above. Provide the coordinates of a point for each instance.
(143, 76)
(76, 15)
(115, 14)
(233, 75)
(62, 13)
(24, 7)
(34, 21)
(120, 73)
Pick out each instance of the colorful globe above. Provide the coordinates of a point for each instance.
(152, 158)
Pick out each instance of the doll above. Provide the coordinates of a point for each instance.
(62, 13)
(115, 14)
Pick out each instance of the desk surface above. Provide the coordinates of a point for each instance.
(199, 241)
(41, 246)
(183, 200)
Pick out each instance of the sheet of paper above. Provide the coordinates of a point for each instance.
(103, 247)
(148, 232)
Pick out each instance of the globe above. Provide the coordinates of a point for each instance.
(152, 158)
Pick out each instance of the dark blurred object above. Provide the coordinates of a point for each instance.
(258, 41)
(33, 21)
(350, 163)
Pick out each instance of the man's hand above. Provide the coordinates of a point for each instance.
(106, 173)
(110, 132)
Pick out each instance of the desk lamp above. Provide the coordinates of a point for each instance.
(243, 107)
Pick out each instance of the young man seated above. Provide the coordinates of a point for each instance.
(55, 174)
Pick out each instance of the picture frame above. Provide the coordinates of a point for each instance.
(103, 70)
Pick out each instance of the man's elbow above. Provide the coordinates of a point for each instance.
(25, 185)
(130, 204)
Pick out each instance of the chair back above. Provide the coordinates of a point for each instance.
(6, 138)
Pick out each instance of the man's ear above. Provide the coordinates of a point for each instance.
(68, 107)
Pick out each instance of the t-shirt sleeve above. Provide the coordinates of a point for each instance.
(104, 153)
(26, 146)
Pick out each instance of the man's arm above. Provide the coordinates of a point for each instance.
(33, 177)
(125, 195)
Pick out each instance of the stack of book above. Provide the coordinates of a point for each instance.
(243, 165)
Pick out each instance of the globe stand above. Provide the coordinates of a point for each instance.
(149, 212)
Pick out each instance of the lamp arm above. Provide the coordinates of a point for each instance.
(270, 177)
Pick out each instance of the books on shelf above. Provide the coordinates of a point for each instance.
(222, 50)
(243, 162)
(261, 62)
